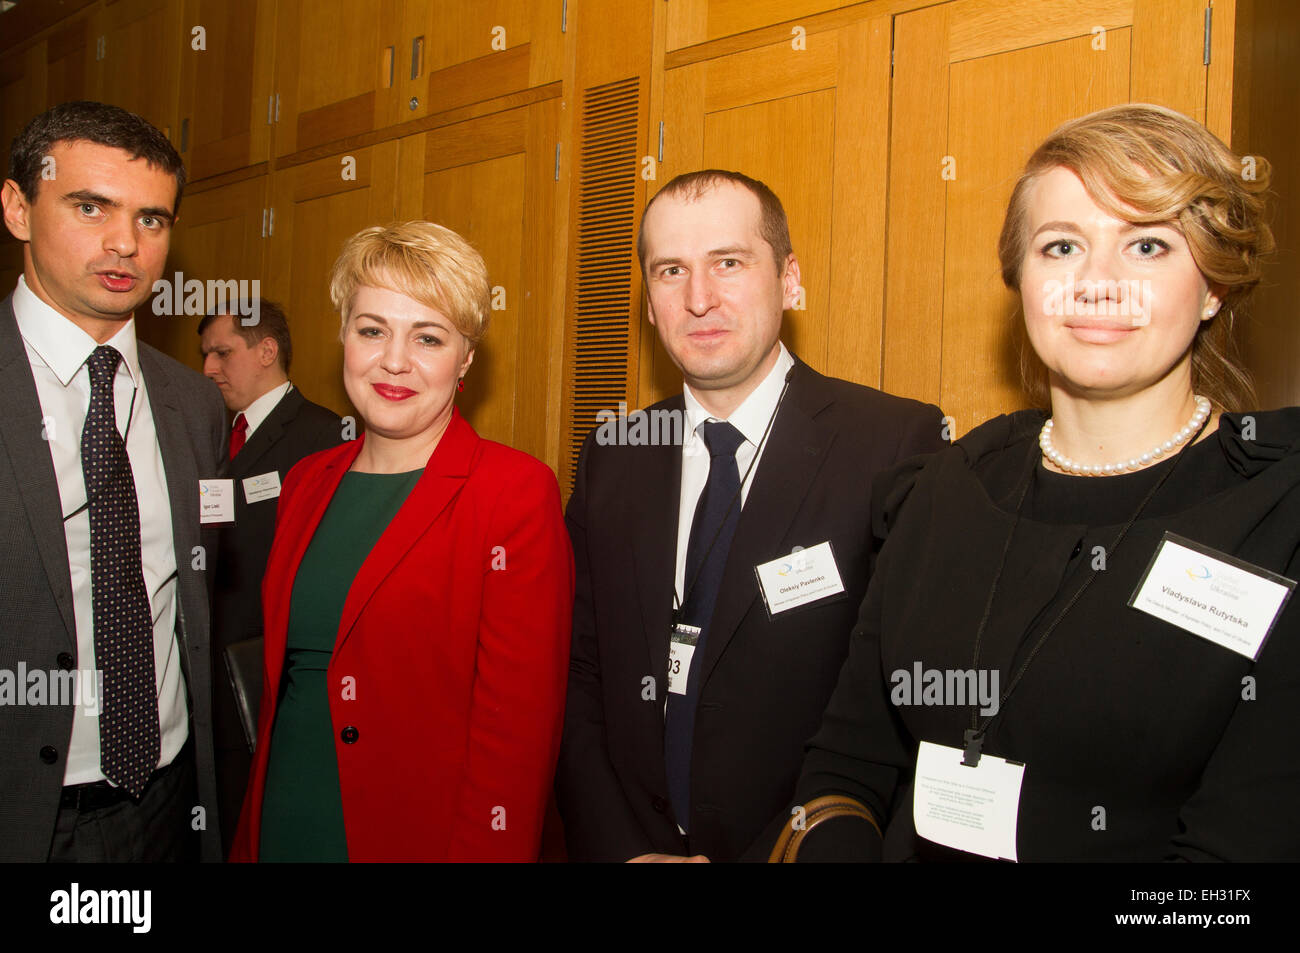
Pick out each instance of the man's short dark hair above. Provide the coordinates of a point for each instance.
(773, 225)
(272, 323)
(100, 123)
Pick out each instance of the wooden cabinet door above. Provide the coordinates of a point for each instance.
(138, 47)
(809, 119)
(219, 236)
(976, 87)
(314, 208)
(456, 52)
(691, 22)
(23, 81)
(492, 179)
(227, 63)
(336, 65)
(70, 63)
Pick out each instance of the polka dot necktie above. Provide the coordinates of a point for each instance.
(238, 434)
(129, 740)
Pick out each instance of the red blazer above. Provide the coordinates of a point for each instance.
(451, 660)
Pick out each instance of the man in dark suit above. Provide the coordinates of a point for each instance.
(105, 447)
(711, 619)
(275, 426)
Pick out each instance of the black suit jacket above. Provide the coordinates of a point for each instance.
(294, 429)
(36, 606)
(766, 680)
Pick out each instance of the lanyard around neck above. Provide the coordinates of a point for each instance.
(974, 736)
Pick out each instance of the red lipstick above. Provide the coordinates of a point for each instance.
(393, 391)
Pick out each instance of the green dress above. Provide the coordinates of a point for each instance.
(302, 809)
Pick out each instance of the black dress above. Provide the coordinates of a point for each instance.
(1187, 747)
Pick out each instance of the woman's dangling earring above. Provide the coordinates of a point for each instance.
(460, 385)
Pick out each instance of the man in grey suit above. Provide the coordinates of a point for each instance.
(105, 732)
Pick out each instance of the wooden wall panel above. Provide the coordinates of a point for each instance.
(1169, 55)
(789, 144)
(980, 367)
(225, 86)
(859, 203)
(330, 76)
(1266, 87)
(316, 209)
(217, 237)
(917, 146)
(142, 44)
(484, 202)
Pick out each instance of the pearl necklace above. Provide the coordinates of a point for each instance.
(1064, 463)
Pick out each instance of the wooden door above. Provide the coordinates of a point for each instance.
(492, 180)
(227, 64)
(314, 208)
(976, 87)
(336, 64)
(137, 44)
(220, 236)
(806, 115)
(70, 59)
(456, 52)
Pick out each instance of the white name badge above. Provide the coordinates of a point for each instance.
(681, 649)
(971, 809)
(264, 486)
(1228, 601)
(804, 576)
(216, 501)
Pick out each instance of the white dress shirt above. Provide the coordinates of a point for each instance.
(260, 409)
(57, 350)
(751, 419)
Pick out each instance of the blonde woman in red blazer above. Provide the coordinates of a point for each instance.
(425, 723)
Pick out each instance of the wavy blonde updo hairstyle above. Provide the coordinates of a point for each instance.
(1173, 171)
(422, 260)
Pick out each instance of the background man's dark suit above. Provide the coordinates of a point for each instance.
(294, 429)
(38, 627)
(766, 680)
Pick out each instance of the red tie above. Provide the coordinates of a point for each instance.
(237, 434)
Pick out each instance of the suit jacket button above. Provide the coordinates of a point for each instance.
(659, 804)
(49, 755)
(349, 735)
(66, 661)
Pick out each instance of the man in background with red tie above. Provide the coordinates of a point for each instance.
(246, 353)
(104, 443)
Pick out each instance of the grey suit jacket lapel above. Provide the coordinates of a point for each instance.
(33, 466)
(182, 485)
(794, 454)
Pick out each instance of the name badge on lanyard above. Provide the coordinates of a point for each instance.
(681, 649)
(974, 809)
(1218, 597)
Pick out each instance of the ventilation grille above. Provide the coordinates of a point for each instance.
(602, 333)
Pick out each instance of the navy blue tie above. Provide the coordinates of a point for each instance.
(129, 740)
(714, 525)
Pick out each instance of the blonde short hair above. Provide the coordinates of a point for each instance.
(422, 260)
(1171, 170)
